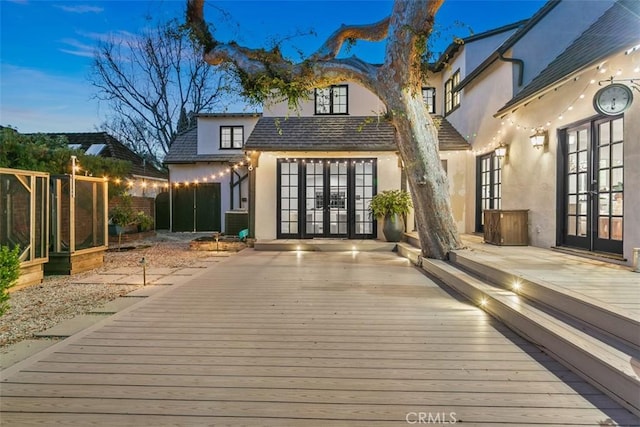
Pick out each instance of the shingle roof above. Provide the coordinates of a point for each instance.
(115, 149)
(337, 133)
(616, 30)
(184, 149)
(450, 139)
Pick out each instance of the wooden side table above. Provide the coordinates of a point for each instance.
(506, 227)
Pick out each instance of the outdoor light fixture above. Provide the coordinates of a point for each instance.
(501, 151)
(539, 139)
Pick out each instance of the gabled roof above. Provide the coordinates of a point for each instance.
(338, 133)
(184, 149)
(454, 47)
(616, 30)
(508, 44)
(112, 148)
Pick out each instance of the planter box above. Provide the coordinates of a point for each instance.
(77, 262)
(29, 275)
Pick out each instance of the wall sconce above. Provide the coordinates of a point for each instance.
(539, 139)
(501, 151)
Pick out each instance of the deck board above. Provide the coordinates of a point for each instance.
(300, 339)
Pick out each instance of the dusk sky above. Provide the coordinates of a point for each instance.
(46, 46)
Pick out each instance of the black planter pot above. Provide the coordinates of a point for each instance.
(393, 228)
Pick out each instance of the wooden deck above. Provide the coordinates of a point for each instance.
(602, 281)
(300, 339)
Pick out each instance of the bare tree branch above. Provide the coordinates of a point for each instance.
(149, 80)
(371, 32)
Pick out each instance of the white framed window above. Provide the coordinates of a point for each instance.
(231, 137)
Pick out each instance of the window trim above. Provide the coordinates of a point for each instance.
(331, 112)
(232, 128)
(431, 110)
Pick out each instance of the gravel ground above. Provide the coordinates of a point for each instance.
(40, 307)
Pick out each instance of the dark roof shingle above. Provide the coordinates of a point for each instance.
(616, 30)
(184, 149)
(338, 133)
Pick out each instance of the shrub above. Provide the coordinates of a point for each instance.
(9, 273)
(144, 221)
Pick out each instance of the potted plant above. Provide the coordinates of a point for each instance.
(393, 206)
(121, 217)
(143, 221)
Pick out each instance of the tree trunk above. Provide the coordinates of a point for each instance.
(398, 83)
(417, 141)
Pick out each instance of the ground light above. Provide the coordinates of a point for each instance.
(516, 286)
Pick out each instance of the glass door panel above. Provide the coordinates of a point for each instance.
(594, 186)
(338, 219)
(315, 199)
(608, 214)
(326, 198)
(577, 191)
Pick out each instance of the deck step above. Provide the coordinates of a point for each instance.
(614, 321)
(613, 371)
(325, 245)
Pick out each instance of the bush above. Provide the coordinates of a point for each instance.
(9, 273)
(144, 221)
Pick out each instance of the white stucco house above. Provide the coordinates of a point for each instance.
(208, 173)
(544, 79)
(536, 116)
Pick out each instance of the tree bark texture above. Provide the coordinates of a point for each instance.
(398, 84)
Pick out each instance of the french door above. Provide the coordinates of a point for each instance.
(325, 198)
(593, 185)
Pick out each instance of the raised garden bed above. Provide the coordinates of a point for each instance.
(223, 244)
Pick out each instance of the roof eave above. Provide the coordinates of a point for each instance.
(509, 43)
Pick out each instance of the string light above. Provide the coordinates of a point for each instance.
(512, 123)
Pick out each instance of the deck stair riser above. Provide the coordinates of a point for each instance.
(608, 319)
(605, 367)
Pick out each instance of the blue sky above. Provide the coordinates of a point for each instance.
(46, 46)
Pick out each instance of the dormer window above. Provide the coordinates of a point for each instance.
(429, 97)
(231, 137)
(331, 100)
(451, 97)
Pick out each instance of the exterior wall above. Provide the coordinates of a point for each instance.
(389, 177)
(479, 50)
(479, 99)
(209, 131)
(458, 183)
(362, 102)
(563, 25)
(201, 171)
(529, 179)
